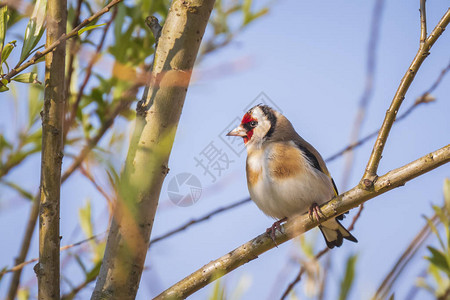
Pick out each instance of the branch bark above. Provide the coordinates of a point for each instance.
(47, 270)
(337, 206)
(374, 160)
(150, 147)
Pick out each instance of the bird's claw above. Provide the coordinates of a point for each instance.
(272, 230)
(315, 211)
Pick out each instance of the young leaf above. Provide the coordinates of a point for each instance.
(4, 16)
(35, 28)
(7, 50)
(347, 282)
(3, 87)
(438, 259)
(35, 98)
(447, 194)
(93, 273)
(435, 231)
(85, 219)
(87, 28)
(218, 292)
(30, 77)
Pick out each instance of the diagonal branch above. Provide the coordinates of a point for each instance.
(374, 160)
(199, 220)
(262, 243)
(418, 241)
(74, 32)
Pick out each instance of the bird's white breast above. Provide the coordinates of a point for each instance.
(282, 183)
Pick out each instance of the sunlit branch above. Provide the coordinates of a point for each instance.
(370, 173)
(339, 205)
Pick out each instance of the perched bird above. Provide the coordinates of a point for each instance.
(286, 176)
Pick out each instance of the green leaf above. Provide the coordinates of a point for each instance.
(4, 143)
(35, 102)
(218, 292)
(30, 77)
(3, 87)
(19, 189)
(87, 28)
(35, 29)
(4, 17)
(438, 259)
(347, 282)
(85, 219)
(7, 50)
(23, 294)
(447, 194)
(435, 231)
(93, 273)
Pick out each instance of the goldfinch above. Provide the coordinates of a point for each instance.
(286, 176)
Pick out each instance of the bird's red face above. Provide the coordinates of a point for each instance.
(245, 130)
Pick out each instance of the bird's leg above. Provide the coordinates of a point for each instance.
(271, 231)
(315, 211)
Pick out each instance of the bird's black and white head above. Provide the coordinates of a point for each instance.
(257, 125)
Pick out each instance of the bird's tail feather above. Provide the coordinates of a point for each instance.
(334, 233)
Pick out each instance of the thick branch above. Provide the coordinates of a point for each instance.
(47, 270)
(151, 143)
(374, 160)
(262, 243)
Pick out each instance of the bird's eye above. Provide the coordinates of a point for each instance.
(253, 123)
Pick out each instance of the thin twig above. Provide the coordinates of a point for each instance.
(22, 265)
(339, 205)
(318, 255)
(88, 72)
(128, 98)
(370, 173)
(19, 68)
(301, 272)
(199, 220)
(91, 178)
(423, 23)
(73, 50)
(368, 89)
(383, 290)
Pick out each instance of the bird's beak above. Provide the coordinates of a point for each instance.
(238, 131)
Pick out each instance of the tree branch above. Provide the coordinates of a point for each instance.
(61, 39)
(368, 88)
(344, 202)
(157, 119)
(128, 97)
(88, 72)
(198, 220)
(384, 288)
(374, 160)
(423, 23)
(47, 269)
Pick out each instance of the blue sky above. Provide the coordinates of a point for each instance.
(309, 58)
